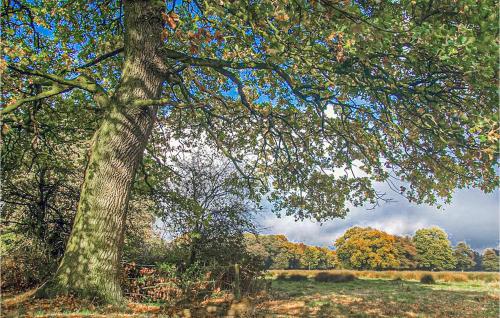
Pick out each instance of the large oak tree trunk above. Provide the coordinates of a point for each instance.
(91, 264)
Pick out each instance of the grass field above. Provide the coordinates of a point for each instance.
(372, 294)
(477, 295)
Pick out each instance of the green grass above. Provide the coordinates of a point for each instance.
(382, 298)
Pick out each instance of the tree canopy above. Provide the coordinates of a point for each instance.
(464, 256)
(491, 260)
(367, 248)
(412, 85)
(434, 249)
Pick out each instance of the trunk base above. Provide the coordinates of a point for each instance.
(110, 293)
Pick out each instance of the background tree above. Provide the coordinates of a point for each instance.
(254, 247)
(464, 256)
(329, 259)
(282, 254)
(277, 248)
(478, 259)
(407, 253)
(490, 260)
(205, 203)
(367, 248)
(413, 99)
(312, 257)
(434, 249)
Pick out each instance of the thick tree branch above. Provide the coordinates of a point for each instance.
(101, 58)
(214, 63)
(219, 65)
(239, 84)
(82, 81)
(167, 102)
(55, 90)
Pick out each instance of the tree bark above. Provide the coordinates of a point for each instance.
(91, 265)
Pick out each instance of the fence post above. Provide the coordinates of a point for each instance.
(237, 291)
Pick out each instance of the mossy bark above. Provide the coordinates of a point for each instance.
(91, 265)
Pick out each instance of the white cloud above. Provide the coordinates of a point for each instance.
(330, 112)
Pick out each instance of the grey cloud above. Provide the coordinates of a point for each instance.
(472, 217)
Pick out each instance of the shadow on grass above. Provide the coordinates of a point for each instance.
(381, 298)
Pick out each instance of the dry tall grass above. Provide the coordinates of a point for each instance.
(405, 275)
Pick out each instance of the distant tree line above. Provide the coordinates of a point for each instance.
(279, 253)
(371, 249)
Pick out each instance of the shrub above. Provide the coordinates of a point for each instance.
(169, 283)
(427, 279)
(297, 278)
(325, 277)
(292, 277)
(24, 263)
(282, 276)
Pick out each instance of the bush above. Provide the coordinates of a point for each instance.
(427, 279)
(165, 283)
(171, 283)
(325, 277)
(24, 263)
(292, 277)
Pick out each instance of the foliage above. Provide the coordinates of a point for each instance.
(464, 256)
(167, 283)
(367, 248)
(407, 253)
(279, 253)
(427, 279)
(143, 242)
(284, 65)
(490, 260)
(328, 277)
(43, 159)
(433, 249)
(24, 263)
(478, 259)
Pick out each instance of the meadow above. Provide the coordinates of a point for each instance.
(383, 294)
(296, 293)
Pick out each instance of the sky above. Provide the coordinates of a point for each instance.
(472, 216)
